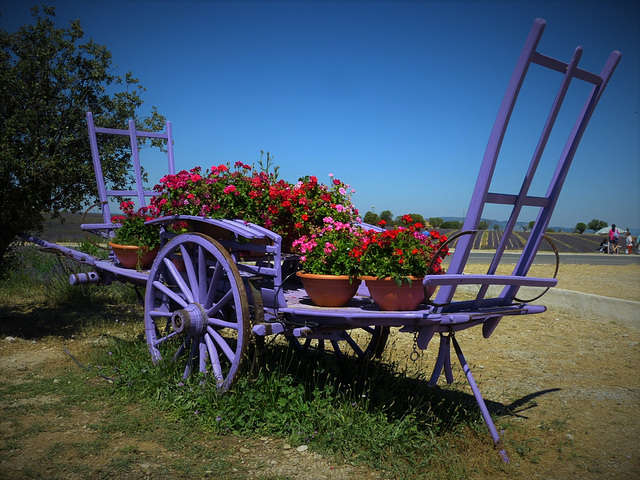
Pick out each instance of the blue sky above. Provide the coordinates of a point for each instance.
(395, 98)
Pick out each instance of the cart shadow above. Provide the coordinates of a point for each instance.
(381, 387)
(35, 323)
(517, 407)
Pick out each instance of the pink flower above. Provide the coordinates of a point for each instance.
(229, 189)
(328, 248)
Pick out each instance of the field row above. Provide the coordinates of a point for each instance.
(564, 242)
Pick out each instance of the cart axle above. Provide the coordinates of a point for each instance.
(90, 278)
(192, 319)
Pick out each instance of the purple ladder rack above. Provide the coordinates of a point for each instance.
(481, 194)
(140, 193)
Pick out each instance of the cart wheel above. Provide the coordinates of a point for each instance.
(367, 342)
(196, 308)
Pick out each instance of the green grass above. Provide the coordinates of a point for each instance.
(42, 277)
(368, 412)
(38, 287)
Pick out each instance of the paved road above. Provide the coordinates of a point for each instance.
(544, 258)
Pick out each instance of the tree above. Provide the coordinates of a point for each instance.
(451, 225)
(371, 218)
(580, 227)
(531, 224)
(387, 216)
(436, 222)
(483, 225)
(415, 217)
(596, 225)
(48, 81)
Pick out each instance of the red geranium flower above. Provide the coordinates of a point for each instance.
(401, 252)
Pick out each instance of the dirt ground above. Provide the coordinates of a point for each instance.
(570, 379)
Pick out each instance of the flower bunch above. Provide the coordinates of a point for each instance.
(305, 205)
(329, 251)
(240, 192)
(133, 230)
(401, 252)
(221, 192)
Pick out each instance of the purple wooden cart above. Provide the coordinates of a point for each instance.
(204, 302)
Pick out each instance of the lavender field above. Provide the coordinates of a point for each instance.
(564, 242)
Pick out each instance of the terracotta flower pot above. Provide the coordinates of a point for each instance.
(132, 256)
(389, 296)
(178, 261)
(329, 290)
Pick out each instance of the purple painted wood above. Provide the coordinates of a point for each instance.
(140, 193)
(197, 316)
(478, 396)
(482, 196)
(106, 271)
(465, 279)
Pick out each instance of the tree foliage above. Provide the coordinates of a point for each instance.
(48, 81)
(415, 218)
(387, 216)
(452, 225)
(436, 222)
(580, 227)
(596, 225)
(371, 218)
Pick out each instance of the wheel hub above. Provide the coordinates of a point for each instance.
(192, 319)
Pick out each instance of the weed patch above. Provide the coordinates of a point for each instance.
(369, 412)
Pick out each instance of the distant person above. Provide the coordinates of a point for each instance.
(629, 243)
(614, 239)
(604, 245)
